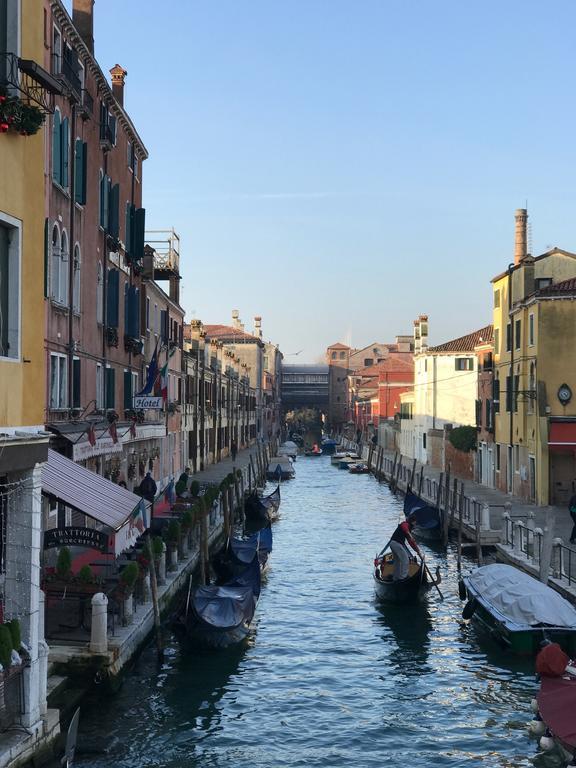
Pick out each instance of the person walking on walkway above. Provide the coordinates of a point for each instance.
(402, 536)
(233, 450)
(572, 510)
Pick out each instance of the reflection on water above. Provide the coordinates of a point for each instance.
(329, 678)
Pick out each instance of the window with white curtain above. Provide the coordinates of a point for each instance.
(58, 381)
(59, 271)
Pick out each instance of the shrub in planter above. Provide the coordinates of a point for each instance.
(194, 488)
(128, 577)
(6, 646)
(64, 563)
(15, 633)
(157, 547)
(186, 521)
(173, 533)
(463, 438)
(85, 575)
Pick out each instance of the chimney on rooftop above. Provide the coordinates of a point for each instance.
(83, 19)
(118, 75)
(258, 326)
(236, 319)
(520, 239)
(423, 319)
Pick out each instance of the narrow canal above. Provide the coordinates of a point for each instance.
(328, 679)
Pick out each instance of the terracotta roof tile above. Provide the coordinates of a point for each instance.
(466, 343)
(338, 346)
(565, 286)
(228, 333)
(399, 361)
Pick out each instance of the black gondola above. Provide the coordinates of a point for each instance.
(401, 591)
(264, 507)
(220, 616)
(429, 519)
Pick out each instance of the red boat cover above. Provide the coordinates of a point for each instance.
(551, 661)
(557, 705)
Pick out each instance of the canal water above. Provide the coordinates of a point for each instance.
(328, 678)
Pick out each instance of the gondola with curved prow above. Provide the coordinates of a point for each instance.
(262, 508)
(429, 519)
(401, 590)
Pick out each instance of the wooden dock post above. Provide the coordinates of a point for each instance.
(478, 535)
(393, 473)
(439, 496)
(454, 504)
(459, 550)
(380, 468)
(154, 590)
(446, 520)
(420, 481)
(412, 475)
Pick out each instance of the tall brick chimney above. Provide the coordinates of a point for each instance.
(520, 235)
(83, 20)
(236, 319)
(118, 75)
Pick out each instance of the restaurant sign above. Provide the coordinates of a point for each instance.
(145, 402)
(76, 537)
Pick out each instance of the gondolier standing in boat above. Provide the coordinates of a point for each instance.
(400, 538)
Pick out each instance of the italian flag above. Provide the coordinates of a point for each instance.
(162, 381)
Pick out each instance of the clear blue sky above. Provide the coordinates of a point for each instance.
(340, 166)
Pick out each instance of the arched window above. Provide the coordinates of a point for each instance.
(55, 259)
(64, 259)
(99, 294)
(76, 289)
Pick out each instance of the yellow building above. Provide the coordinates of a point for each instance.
(25, 94)
(535, 373)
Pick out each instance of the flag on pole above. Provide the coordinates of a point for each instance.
(113, 432)
(91, 435)
(152, 374)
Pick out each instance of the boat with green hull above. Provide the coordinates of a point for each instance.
(518, 611)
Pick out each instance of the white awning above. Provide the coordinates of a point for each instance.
(112, 505)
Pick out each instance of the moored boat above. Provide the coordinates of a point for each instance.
(359, 468)
(429, 519)
(402, 590)
(220, 616)
(265, 507)
(280, 468)
(289, 448)
(518, 610)
(329, 446)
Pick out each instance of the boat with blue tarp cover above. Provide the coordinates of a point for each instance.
(429, 519)
(259, 544)
(220, 615)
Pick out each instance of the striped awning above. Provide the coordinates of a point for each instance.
(112, 505)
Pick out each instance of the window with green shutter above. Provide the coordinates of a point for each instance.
(127, 390)
(76, 383)
(80, 160)
(110, 388)
(64, 143)
(56, 148)
(114, 211)
(139, 223)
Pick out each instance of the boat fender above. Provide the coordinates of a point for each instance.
(546, 742)
(470, 608)
(537, 728)
(534, 706)
(462, 589)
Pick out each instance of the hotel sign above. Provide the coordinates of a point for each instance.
(147, 402)
(76, 537)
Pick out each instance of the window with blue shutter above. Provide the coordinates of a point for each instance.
(126, 309)
(137, 250)
(112, 298)
(128, 239)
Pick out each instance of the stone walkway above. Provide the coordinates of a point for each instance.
(520, 509)
(215, 473)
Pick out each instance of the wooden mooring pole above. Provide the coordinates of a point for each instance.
(155, 603)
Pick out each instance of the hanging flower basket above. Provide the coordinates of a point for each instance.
(17, 116)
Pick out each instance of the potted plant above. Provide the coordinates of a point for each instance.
(64, 564)
(173, 538)
(194, 489)
(128, 578)
(6, 647)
